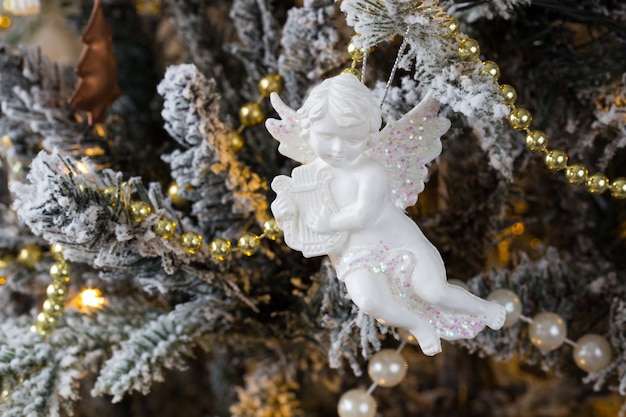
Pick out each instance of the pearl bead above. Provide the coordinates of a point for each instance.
(271, 229)
(509, 94)
(597, 183)
(29, 255)
(270, 83)
(220, 248)
(556, 160)
(618, 188)
(191, 242)
(356, 403)
(57, 291)
(139, 211)
(547, 331)
(592, 353)
(110, 195)
(355, 53)
(173, 192)
(251, 114)
(52, 308)
(56, 250)
(520, 118)
(491, 69)
(387, 368)
(165, 228)
(576, 174)
(450, 28)
(469, 49)
(248, 244)
(536, 140)
(60, 271)
(511, 303)
(236, 141)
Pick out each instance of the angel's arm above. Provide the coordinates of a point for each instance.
(365, 210)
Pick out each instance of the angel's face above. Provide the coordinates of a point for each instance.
(336, 145)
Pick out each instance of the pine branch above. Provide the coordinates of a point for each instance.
(224, 192)
(162, 343)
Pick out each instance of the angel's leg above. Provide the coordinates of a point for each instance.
(371, 293)
(456, 299)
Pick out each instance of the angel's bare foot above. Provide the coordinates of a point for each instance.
(496, 315)
(428, 340)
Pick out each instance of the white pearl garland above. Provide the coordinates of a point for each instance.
(387, 368)
(356, 403)
(547, 332)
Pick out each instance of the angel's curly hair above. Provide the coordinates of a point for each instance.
(348, 100)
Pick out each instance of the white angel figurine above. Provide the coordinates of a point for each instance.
(347, 200)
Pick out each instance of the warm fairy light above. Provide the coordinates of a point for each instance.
(100, 130)
(3, 280)
(82, 167)
(22, 7)
(5, 22)
(91, 298)
(517, 228)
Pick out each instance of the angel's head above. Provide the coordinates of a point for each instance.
(340, 119)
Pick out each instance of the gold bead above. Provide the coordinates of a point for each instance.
(618, 188)
(597, 183)
(60, 271)
(251, 114)
(536, 140)
(219, 249)
(57, 291)
(355, 52)
(236, 141)
(110, 195)
(271, 229)
(468, 50)
(352, 71)
(165, 228)
(520, 118)
(29, 255)
(556, 160)
(6, 260)
(139, 211)
(450, 28)
(271, 83)
(173, 192)
(47, 321)
(248, 244)
(576, 174)
(491, 69)
(52, 308)
(191, 242)
(509, 94)
(56, 250)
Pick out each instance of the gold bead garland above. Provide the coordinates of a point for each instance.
(521, 119)
(252, 113)
(357, 55)
(52, 308)
(191, 242)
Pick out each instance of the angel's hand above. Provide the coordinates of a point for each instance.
(320, 222)
(283, 208)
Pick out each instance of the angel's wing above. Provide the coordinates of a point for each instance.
(288, 132)
(407, 145)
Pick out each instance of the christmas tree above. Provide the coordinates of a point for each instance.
(142, 271)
